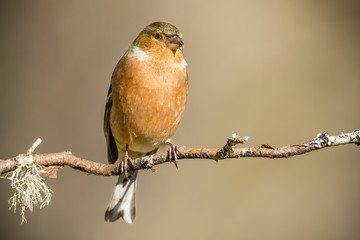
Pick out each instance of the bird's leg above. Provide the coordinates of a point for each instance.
(124, 164)
(172, 152)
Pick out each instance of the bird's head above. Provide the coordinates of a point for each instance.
(160, 38)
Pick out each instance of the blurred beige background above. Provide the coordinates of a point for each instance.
(278, 71)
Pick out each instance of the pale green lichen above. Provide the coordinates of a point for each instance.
(29, 188)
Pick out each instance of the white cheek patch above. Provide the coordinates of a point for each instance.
(183, 64)
(140, 54)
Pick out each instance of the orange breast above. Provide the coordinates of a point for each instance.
(149, 99)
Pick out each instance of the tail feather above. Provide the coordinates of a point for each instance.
(123, 200)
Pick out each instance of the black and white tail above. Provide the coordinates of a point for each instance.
(123, 200)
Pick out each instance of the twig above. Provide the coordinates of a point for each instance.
(322, 140)
(34, 146)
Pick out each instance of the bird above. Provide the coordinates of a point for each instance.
(144, 105)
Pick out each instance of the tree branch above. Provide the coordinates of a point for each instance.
(322, 140)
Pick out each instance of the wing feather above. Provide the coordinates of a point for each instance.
(112, 151)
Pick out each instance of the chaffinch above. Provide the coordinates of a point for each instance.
(145, 102)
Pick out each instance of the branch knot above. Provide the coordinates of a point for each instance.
(227, 151)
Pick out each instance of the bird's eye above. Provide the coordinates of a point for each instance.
(157, 36)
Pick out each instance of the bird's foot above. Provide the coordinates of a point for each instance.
(124, 164)
(172, 152)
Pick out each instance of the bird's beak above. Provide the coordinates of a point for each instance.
(174, 43)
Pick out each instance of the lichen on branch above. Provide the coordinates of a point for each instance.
(29, 188)
(25, 171)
